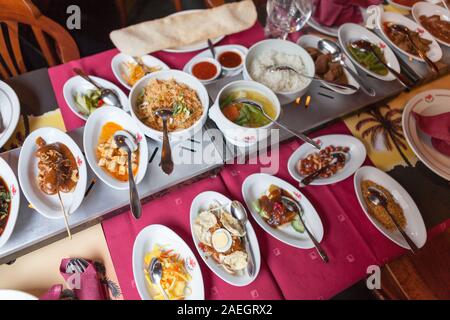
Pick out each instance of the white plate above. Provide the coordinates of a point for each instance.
(46, 205)
(428, 103)
(9, 178)
(118, 65)
(331, 31)
(435, 52)
(10, 111)
(403, 7)
(195, 46)
(201, 203)
(350, 32)
(219, 49)
(161, 235)
(256, 185)
(357, 156)
(311, 41)
(15, 295)
(428, 9)
(92, 132)
(77, 84)
(415, 228)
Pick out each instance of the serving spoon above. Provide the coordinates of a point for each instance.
(166, 153)
(337, 158)
(109, 96)
(275, 68)
(402, 29)
(239, 212)
(378, 198)
(125, 142)
(261, 109)
(155, 270)
(335, 51)
(366, 46)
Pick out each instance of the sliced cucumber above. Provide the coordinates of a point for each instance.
(298, 225)
(81, 103)
(258, 209)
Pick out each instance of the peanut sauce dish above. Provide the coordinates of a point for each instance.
(9, 201)
(52, 166)
(107, 160)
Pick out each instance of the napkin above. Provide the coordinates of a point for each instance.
(333, 13)
(85, 286)
(185, 29)
(438, 128)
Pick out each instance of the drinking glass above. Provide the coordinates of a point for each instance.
(287, 16)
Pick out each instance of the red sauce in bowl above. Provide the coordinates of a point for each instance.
(230, 59)
(204, 70)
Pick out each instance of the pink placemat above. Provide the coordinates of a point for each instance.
(173, 211)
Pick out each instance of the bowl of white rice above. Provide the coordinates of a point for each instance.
(288, 85)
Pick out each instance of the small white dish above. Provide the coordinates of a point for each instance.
(428, 103)
(212, 61)
(77, 84)
(49, 206)
(91, 135)
(311, 41)
(118, 66)
(233, 49)
(355, 159)
(10, 112)
(10, 180)
(10, 295)
(257, 185)
(202, 202)
(162, 236)
(415, 227)
(428, 9)
(350, 32)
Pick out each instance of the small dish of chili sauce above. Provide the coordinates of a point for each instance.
(206, 69)
(230, 59)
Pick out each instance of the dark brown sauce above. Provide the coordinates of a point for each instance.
(437, 27)
(5, 205)
(56, 168)
(230, 59)
(204, 70)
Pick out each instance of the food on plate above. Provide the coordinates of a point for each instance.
(57, 168)
(325, 68)
(175, 277)
(436, 26)
(368, 60)
(274, 212)
(133, 72)
(378, 212)
(204, 70)
(183, 100)
(406, 3)
(280, 80)
(111, 158)
(220, 237)
(245, 114)
(438, 128)
(230, 59)
(89, 101)
(5, 204)
(317, 160)
(402, 41)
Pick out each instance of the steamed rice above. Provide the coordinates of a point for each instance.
(279, 81)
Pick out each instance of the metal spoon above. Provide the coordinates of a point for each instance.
(366, 46)
(337, 157)
(405, 30)
(378, 198)
(294, 206)
(1, 123)
(332, 48)
(275, 68)
(239, 212)
(261, 109)
(109, 96)
(166, 153)
(444, 3)
(155, 270)
(123, 141)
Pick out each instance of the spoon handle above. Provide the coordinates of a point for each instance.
(367, 90)
(135, 202)
(251, 260)
(298, 134)
(313, 176)
(166, 153)
(423, 55)
(408, 240)
(317, 245)
(166, 297)
(82, 74)
(400, 76)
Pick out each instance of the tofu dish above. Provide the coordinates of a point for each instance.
(113, 159)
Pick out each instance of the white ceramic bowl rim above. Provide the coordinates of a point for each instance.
(235, 50)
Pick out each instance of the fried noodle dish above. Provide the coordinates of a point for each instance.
(168, 94)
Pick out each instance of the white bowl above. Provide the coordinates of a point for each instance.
(92, 132)
(9, 178)
(180, 77)
(210, 60)
(288, 48)
(235, 50)
(237, 134)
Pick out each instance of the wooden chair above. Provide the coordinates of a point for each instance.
(62, 48)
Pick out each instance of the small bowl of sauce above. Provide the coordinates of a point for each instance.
(231, 60)
(206, 69)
